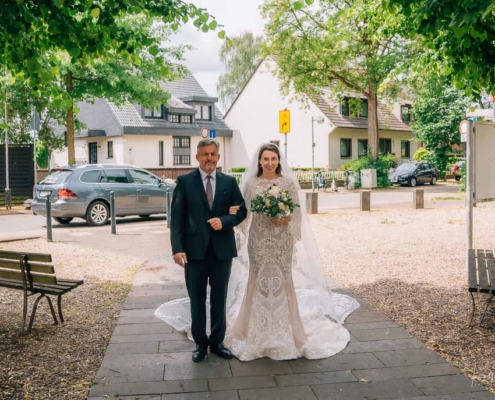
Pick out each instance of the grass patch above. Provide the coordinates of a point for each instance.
(448, 198)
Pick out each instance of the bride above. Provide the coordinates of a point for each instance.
(279, 304)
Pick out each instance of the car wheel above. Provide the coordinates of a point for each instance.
(413, 182)
(97, 214)
(145, 216)
(62, 220)
(433, 181)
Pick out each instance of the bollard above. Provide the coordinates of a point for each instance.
(169, 200)
(112, 212)
(312, 202)
(8, 199)
(365, 202)
(418, 199)
(48, 219)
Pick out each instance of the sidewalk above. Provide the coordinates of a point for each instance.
(146, 359)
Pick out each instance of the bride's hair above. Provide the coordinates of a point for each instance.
(275, 149)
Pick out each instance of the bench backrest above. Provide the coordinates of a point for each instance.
(481, 271)
(28, 268)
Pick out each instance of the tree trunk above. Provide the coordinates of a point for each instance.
(70, 122)
(373, 134)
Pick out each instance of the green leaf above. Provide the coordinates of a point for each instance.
(185, 19)
(309, 2)
(213, 25)
(174, 26)
(205, 28)
(95, 12)
(153, 50)
(58, 3)
(298, 5)
(221, 34)
(74, 52)
(4, 125)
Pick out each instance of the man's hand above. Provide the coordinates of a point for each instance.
(233, 210)
(215, 223)
(180, 259)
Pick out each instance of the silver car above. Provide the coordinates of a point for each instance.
(84, 191)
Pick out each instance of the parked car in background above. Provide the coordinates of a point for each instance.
(414, 173)
(84, 191)
(456, 169)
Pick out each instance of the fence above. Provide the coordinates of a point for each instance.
(21, 173)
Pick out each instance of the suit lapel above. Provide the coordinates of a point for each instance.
(218, 188)
(202, 186)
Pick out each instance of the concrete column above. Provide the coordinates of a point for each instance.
(418, 199)
(312, 202)
(365, 200)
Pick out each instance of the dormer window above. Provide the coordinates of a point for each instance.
(405, 112)
(153, 113)
(173, 118)
(353, 107)
(179, 119)
(203, 112)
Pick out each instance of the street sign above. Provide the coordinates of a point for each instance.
(464, 130)
(284, 121)
(480, 112)
(213, 133)
(204, 132)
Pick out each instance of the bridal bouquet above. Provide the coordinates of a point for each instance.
(274, 202)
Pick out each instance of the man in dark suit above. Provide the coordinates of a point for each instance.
(203, 242)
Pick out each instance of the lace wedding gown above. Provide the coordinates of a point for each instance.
(270, 322)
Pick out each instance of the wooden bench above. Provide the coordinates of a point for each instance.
(481, 276)
(34, 274)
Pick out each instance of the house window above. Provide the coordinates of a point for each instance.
(203, 112)
(173, 118)
(362, 147)
(345, 148)
(405, 112)
(405, 148)
(153, 113)
(182, 160)
(160, 152)
(352, 107)
(185, 119)
(182, 142)
(182, 150)
(110, 149)
(385, 146)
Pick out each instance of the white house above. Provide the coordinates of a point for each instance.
(162, 140)
(254, 119)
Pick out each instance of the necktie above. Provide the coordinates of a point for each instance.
(209, 191)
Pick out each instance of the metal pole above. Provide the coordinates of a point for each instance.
(8, 197)
(168, 197)
(285, 144)
(33, 123)
(112, 212)
(469, 188)
(312, 154)
(48, 219)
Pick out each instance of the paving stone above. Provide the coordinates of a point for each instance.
(138, 397)
(371, 325)
(359, 316)
(148, 388)
(201, 370)
(381, 334)
(396, 358)
(446, 384)
(415, 371)
(175, 346)
(339, 362)
(141, 306)
(138, 298)
(263, 366)
(150, 312)
(177, 296)
(382, 345)
(146, 338)
(285, 393)
(132, 348)
(366, 390)
(248, 382)
(142, 329)
(315, 378)
(228, 395)
(463, 396)
(139, 320)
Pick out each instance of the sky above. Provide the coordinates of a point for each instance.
(236, 16)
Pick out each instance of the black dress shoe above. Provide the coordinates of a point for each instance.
(200, 353)
(220, 350)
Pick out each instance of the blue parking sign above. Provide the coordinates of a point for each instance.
(213, 133)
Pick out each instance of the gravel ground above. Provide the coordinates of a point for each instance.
(409, 264)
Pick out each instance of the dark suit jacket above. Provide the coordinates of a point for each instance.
(189, 231)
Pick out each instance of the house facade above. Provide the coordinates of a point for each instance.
(254, 119)
(162, 140)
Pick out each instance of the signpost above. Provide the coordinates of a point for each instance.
(213, 133)
(464, 130)
(284, 125)
(204, 132)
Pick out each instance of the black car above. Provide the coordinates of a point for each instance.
(413, 173)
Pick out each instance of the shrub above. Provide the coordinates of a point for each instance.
(382, 164)
(239, 169)
(421, 154)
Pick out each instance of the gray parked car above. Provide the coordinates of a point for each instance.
(84, 191)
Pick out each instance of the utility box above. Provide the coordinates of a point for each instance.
(368, 178)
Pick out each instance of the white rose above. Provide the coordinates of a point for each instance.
(274, 191)
(267, 203)
(281, 206)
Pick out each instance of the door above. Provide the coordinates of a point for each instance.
(150, 193)
(93, 153)
(116, 179)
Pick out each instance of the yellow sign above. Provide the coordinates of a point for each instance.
(284, 121)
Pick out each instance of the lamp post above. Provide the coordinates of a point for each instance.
(319, 120)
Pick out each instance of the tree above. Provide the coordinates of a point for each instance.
(457, 37)
(438, 110)
(240, 56)
(351, 46)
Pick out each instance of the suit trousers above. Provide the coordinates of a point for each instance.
(198, 274)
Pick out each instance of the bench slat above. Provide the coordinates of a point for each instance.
(15, 255)
(35, 267)
(36, 278)
(490, 264)
(38, 287)
(482, 272)
(472, 276)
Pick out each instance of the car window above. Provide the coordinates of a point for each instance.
(406, 167)
(59, 176)
(114, 176)
(141, 177)
(90, 176)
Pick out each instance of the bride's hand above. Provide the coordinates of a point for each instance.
(281, 221)
(233, 210)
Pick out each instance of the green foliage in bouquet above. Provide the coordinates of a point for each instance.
(274, 202)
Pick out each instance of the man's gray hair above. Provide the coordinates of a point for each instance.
(207, 142)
